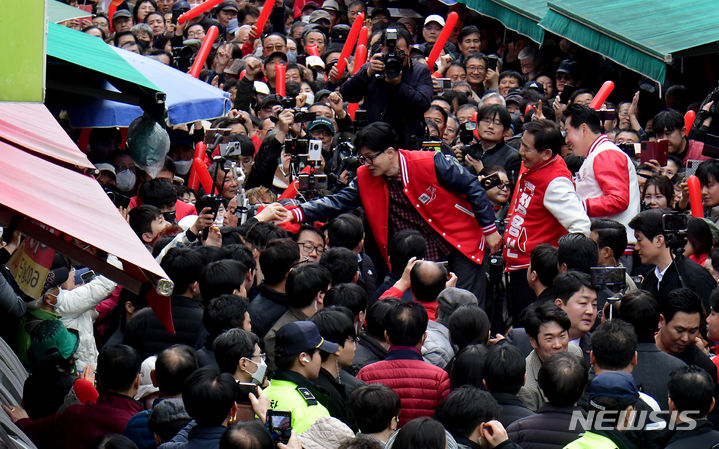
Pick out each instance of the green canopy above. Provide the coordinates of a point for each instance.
(639, 36)
(521, 16)
(92, 53)
(59, 12)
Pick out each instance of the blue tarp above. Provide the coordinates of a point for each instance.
(188, 99)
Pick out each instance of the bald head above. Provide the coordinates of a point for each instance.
(173, 366)
(427, 280)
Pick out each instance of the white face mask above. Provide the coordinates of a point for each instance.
(59, 298)
(258, 376)
(183, 167)
(126, 180)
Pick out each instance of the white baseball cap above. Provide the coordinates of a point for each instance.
(434, 18)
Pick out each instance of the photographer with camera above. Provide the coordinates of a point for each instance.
(267, 157)
(544, 208)
(394, 89)
(659, 233)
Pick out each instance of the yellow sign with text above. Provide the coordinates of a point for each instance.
(30, 265)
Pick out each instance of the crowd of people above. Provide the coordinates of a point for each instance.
(389, 255)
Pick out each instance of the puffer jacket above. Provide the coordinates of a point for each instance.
(76, 308)
(421, 386)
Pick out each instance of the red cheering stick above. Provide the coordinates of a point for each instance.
(264, 15)
(349, 45)
(312, 50)
(602, 95)
(360, 58)
(442, 39)
(193, 181)
(280, 70)
(200, 176)
(351, 109)
(689, 120)
(362, 39)
(695, 196)
(204, 51)
(197, 10)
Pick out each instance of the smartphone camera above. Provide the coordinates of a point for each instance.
(279, 424)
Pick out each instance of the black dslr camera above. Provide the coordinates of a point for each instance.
(392, 59)
(301, 115)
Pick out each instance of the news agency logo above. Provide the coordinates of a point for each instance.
(633, 420)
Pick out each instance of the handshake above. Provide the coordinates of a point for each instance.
(274, 212)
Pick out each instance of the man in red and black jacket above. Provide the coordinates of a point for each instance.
(419, 190)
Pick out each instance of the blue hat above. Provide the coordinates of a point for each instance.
(302, 336)
(618, 385)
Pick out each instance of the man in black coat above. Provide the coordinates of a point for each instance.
(562, 379)
(504, 372)
(667, 272)
(691, 390)
(145, 331)
(679, 324)
(398, 97)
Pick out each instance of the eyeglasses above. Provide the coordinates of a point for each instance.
(489, 121)
(354, 340)
(368, 160)
(503, 186)
(476, 68)
(308, 248)
(260, 355)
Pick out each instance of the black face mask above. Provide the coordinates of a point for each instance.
(170, 217)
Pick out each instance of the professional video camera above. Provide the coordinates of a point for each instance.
(305, 166)
(674, 227)
(301, 114)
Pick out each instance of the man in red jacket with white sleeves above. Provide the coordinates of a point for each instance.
(544, 206)
(606, 182)
(423, 190)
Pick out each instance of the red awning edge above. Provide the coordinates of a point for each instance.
(36, 194)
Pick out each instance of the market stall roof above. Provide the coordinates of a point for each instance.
(80, 65)
(522, 16)
(188, 99)
(33, 128)
(641, 37)
(70, 212)
(58, 11)
(91, 52)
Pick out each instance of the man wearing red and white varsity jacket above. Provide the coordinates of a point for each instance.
(606, 182)
(420, 190)
(544, 206)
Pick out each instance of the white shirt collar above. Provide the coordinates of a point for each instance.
(660, 274)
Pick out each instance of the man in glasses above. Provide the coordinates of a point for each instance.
(493, 122)
(426, 191)
(311, 243)
(544, 207)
